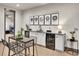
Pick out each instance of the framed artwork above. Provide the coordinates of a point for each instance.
(36, 20)
(41, 20)
(31, 20)
(55, 19)
(47, 19)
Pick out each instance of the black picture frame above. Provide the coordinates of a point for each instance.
(47, 19)
(55, 18)
(41, 20)
(31, 20)
(36, 20)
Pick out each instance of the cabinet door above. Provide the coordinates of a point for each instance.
(41, 39)
(59, 42)
(32, 34)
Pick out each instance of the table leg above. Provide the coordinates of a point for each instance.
(25, 51)
(72, 47)
(33, 47)
(77, 48)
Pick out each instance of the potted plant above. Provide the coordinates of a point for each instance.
(72, 36)
(19, 35)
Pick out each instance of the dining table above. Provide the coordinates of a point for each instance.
(26, 42)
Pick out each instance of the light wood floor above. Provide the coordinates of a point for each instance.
(42, 51)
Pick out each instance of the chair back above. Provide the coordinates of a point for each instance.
(5, 43)
(35, 39)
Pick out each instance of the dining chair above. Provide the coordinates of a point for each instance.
(35, 43)
(31, 44)
(13, 47)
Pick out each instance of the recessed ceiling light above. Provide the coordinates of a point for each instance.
(17, 5)
(9, 16)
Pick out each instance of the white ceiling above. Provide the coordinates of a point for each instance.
(22, 6)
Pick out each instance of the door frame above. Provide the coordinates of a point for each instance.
(5, 21)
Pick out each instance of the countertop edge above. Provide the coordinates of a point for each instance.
(50, 33)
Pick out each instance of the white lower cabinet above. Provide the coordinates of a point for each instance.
(59, 42)
(40, 37)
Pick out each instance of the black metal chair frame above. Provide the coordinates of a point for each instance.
(25, 44)
(11, 47)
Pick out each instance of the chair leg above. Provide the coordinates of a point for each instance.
(9, 52)
(29, 50)
(25, 51)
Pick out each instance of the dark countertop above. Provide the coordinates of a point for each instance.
(49, 32)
